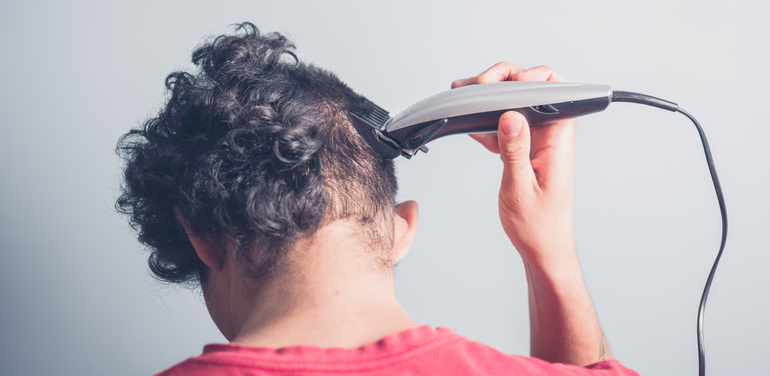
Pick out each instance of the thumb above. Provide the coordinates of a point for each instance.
(513, 137)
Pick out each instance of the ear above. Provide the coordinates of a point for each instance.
(211, 253)
(405, 228)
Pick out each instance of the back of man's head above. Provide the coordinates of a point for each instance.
(257, 151)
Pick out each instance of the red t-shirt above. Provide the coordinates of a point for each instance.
(418, 351)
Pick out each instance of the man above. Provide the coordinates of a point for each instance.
(254, 183)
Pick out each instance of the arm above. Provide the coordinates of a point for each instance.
(535, 205)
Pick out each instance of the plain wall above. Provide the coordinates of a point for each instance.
(77, 297)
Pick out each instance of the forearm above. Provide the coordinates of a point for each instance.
(563, 324)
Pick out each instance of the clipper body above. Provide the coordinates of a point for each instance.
(476, 109)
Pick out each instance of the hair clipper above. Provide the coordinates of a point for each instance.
(476, 109)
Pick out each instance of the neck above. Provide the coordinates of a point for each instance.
(333, 293)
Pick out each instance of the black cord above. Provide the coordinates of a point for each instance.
(626, 96)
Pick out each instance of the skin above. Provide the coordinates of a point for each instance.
(535, 205)
(332, 294)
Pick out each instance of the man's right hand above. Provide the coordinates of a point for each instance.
(535, 198)
(535, 204)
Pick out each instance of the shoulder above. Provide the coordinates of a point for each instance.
(222, 360)
(419, 351)
(466, 357)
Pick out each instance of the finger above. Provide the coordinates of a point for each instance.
(489, 140)
(463, 82)
(539, 73)
(553, 153)
(499, 72)
(514, 142)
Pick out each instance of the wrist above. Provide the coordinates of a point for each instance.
(559, 268)
(547, 251)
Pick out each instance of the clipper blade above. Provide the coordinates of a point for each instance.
(369, 124)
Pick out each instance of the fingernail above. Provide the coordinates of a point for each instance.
(512, 127)
(462, 82)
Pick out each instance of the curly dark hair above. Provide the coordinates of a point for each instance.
(255, 150)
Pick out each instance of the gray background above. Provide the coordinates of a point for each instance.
(76, 296)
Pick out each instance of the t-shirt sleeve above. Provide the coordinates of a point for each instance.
(602, 368)
(611, 367)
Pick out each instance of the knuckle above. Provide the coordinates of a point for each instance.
(514, 153)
